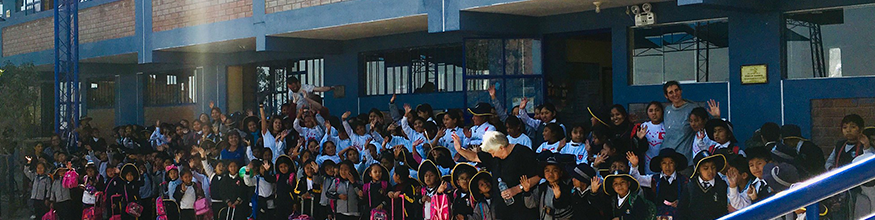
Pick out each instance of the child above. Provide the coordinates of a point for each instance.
(622, 195)
(461, 196)
(311, 129)
(171, 180)
(254, 176)
(415, 133)
(92, 183)
(329, 178)
(547, 115)
(516, 132)
(452, 124)
(667, 185)
(360, 137)
(40, 187)
(781, 176)
(308, 190)
(577, 146)
(285, 182)
(583, 194)
(481, 185)
(553, 136)
(441, 157)
(186, 194)
(552, 196)
(376, 190)
(217, 181)
(404, 194)
(339, 138)
(739, 179)
(649, 136)
(846, 150)
(329, 153)
(864, 195)
(724, 140)
(698, 117)
(705, 197)
(346, 192)
(757, 158)
(482, 113)
(122, 190)
(432, 188)
(236, 193)
(272, 133)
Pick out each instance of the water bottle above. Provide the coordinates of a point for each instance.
(502, 187)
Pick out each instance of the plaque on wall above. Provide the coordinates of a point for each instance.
(754, 74)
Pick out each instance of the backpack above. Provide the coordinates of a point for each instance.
(71, 179)
(377, 214)
(650, 207)
(159, 208)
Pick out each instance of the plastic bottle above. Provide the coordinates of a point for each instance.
(502, 187)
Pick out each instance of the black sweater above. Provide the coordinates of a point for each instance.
(697, 203)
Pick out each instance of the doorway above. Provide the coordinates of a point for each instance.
(578, 73)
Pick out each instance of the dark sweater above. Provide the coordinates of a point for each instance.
(697, 203)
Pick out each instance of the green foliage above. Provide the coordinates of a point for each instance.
(19, 100)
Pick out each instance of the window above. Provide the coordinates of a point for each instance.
(686, 52)
(171, 88)
(830, 43)
(272, 88)
(101, 93)
(513, 66)
(414, 70)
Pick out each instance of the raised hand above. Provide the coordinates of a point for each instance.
(266, 166)
(642, 131)
(595, 183)
(601, 158)
(714, 108)
(633, 159)
(557, 191)
(491, 91)
(327, 126)
(157, 123)
(345, 115)
(524, 102)
(392, 100)
(441, 134)
(524, 182)
(752, 194)
(418, 142)
(457, 143)
(407, 108)
(732, 176)
(247, 142)
(212, 104)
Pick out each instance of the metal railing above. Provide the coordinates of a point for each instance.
(808, 193)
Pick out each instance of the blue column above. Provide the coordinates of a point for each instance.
(143, 25)
(754, 38)
(129, 98)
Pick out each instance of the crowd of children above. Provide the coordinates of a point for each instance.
(682, 163)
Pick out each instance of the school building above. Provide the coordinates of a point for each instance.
(805, 62)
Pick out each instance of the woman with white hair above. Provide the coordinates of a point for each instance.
(507, 163)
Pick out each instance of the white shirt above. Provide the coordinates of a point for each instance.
(576, 149)
(188, 198)
(358, 141)
(710, 182)
(413, 136)
(271, 143)
(477, 132)
(645, 180)
(620, 200)
(739, 200)
(298, 97)
(654, 137)
(554, 147)
(308, 133)
(701, 144)
(447, 140)
(523, 140)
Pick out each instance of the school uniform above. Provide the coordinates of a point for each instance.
(264, 190)
(313, 186)
(376, 194)
(477, 132)
(585, 206)
(120, 193)
(345, 209)
(39, 191)
(187, 199)
(550, 207)
(284, 188)
(461, 204)
(578, 150)
(738, 198)
(60, 197)
(704, 200)
(358, 141)
(728, 148)
(484, 210)
(629, 207)
(522, 140)
(546, 146)
(447, 140)
(332, 135)
(310, 133)
(414, 136)
(843, 154)
(234, 189)
(406, 207)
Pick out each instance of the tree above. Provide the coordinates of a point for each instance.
(19, 101)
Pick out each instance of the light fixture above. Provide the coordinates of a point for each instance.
(598, 8)
(635, 9)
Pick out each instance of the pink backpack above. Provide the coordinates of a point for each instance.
(159, 208)
(440, 207)
(50, 215)
(71, 179)
(377, 214)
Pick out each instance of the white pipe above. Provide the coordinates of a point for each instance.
(782, 102)
(728, 102)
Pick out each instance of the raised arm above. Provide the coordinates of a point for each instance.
(467, 154)
(524, 116)
(496, 103)
(644, 180)
(393, 110)
(323, 89)
(345, 123)
(265, 127)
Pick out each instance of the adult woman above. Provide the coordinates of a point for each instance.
(508, 163)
